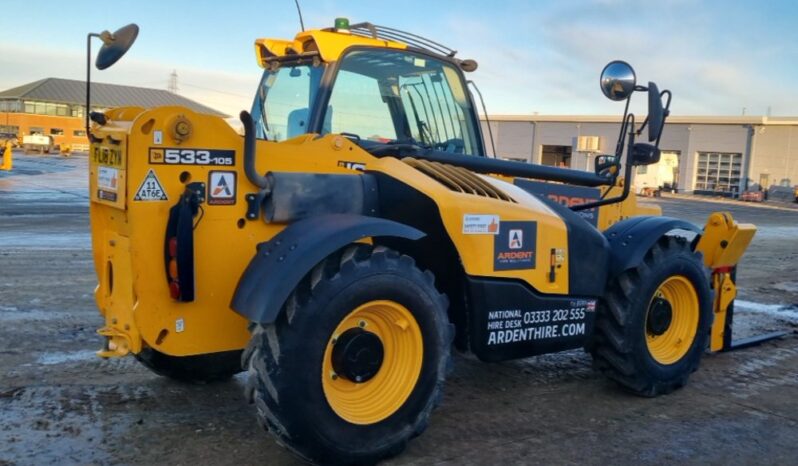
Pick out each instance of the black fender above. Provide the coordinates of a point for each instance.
(280, 263)
(630, 239)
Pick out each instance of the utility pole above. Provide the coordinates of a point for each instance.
(173, 82)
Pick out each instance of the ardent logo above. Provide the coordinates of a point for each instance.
(516, 239)
(514, 248)
(222, 189)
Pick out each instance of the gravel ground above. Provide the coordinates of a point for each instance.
(60, 404)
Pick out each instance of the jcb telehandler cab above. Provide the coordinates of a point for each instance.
(357, 230)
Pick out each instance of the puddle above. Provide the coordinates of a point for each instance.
(60, 425)
(790, 287)
(55, 240)
(12, 314)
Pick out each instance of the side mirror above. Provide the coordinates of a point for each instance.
(645, 154)
(618, 80)
(656, 114)
(115, 45)
(607, 166)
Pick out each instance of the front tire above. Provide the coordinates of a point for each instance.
(654, 324)
(356, 361)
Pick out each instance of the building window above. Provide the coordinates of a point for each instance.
(718, 172)
(36, 130)
(40, 108)
(11, 106)
(642, 169)
(77, 111)
(30, 107)
(56, 131)
(9, 130)
(79, 133)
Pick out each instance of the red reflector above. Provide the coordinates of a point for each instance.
(174, 290)
(723, 270)
(173, 247)
(173, 269)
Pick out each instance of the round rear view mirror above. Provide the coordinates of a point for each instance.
(618, 80)
(115, 45)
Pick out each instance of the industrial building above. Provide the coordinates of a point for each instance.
(55, 107)
(707, 155)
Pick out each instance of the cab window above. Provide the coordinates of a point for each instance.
(282, 105)
(391, 96)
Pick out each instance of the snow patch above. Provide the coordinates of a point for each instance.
(50, 359)
(775, 310)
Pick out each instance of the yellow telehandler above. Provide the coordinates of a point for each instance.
(357, 230)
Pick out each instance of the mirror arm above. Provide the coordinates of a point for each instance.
(642, 127)
(666, 113)
(622, 135)
(88, 78)
(629, 120)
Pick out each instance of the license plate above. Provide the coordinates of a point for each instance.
(109, 156)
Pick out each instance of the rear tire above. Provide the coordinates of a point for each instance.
(647, 350)
(202, 368)
(329, 418)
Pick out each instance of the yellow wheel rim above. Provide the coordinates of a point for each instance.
(670, 346)
(381, 396)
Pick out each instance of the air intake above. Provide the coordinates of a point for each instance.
(457, 179)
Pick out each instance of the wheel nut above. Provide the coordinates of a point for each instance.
(333, 376)
(362, 323)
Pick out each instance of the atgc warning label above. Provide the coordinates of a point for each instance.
(151, 189)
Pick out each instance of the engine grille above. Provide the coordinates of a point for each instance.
(457, 179)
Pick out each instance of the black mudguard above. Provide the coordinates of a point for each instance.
(280, 263)
(630, 239)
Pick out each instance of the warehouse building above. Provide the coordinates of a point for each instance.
(703, 155)
(55, 107)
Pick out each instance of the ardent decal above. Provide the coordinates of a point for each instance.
(514, 248)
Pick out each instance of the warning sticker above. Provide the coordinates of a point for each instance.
(222, 188)
(106, 195)
(480, 224)
(150, 189)
(107, 178)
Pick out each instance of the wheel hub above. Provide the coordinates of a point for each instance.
(357, 355)
(660, 315)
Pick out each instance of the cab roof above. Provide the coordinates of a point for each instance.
(330, 43)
